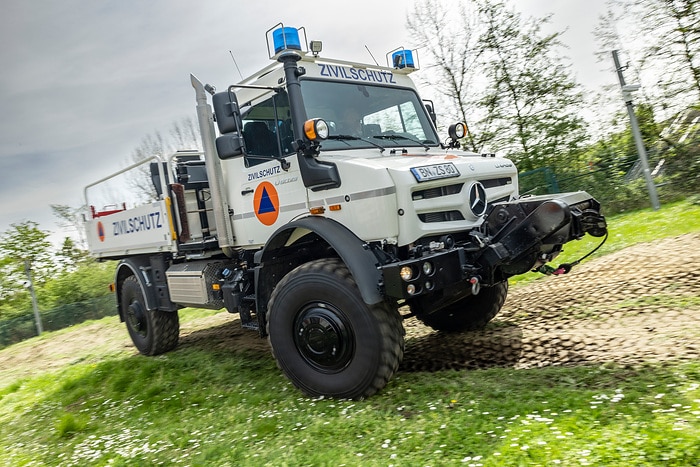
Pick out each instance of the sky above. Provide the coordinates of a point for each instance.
(84, 81)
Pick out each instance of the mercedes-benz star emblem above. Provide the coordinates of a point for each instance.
(477, 199)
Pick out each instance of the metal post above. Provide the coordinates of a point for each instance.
(30, 286)
(627, 95)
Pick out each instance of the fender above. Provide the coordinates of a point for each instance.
(138, 266)
(355, 253)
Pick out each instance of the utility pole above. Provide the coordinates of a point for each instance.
(627, 90)
(30, 285)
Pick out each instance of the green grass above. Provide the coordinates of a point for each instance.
(194, 407)
(203, 406)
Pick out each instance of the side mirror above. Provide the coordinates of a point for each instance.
(228, 114)
(430, 107)
(230, 145)
(228, 119)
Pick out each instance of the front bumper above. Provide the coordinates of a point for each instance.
(515, 237)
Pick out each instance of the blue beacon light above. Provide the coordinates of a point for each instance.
(403, 59)
(286, 38)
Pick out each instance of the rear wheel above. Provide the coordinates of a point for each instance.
(326, 339)
(152, 331)
(467, 314)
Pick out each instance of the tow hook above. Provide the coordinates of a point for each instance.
(550, 271)
(566, 267)
(476, 285)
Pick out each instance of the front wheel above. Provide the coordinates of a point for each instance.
(152, 331)
(326, 339)
(467, 314)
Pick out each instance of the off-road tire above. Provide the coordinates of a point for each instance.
(468, 314)
(152, 331)
(326, 339)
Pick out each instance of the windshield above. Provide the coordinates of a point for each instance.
(360, 115)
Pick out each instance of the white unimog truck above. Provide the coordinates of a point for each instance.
(324, 202)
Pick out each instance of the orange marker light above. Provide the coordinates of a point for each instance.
(335, 207)
(317, 210)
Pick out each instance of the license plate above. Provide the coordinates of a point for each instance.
(435, 172)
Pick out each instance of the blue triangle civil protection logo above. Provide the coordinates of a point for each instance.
(265, 203)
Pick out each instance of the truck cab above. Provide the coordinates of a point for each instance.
(323, 202)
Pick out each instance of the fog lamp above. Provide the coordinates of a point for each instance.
(406, 273)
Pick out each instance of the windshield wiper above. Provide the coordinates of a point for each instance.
(345, 138)
(395, 137)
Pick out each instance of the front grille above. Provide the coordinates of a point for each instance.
(444, 216)
(494, 182)
(438, 191)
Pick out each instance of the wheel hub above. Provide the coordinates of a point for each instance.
(137, 318)
(323, 337)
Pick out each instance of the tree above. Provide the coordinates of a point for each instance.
(662, 37)
(22, 243)
(512, 83)
(70, 256)
(454, 50)
(71, 218)
(531, 101)
(674, 26)
(183, 136)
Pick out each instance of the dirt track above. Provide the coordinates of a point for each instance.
(639, 304)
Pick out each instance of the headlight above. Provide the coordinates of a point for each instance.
(457, 131)
(316, 129)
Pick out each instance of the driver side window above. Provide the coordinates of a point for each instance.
(267, 129)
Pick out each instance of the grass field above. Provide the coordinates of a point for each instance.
(197, 406)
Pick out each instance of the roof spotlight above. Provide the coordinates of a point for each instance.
(316, 47)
